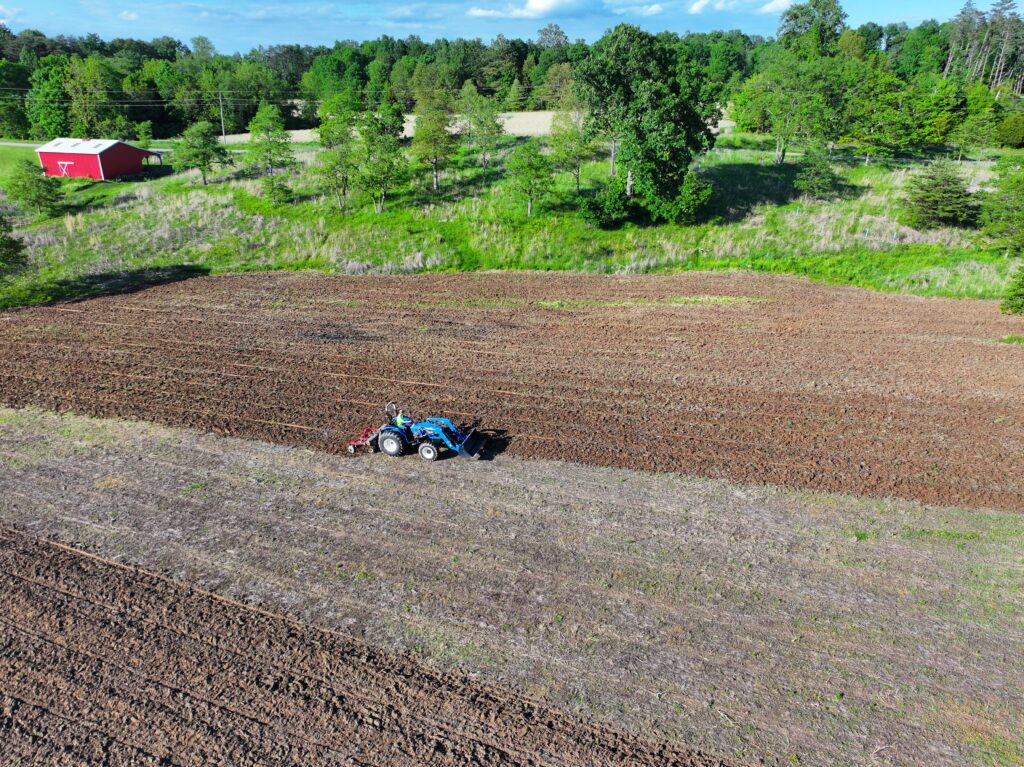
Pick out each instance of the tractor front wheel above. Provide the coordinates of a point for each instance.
(428, 452)
(391, 444)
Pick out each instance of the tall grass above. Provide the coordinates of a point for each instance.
(755, 221)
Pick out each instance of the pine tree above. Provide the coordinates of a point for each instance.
(270, 145)
(1003, 208)
(433, 143)
(12, 251)
(200, 148)
(30, 188)
(1014, 302)
(938, 196)
(516, 97)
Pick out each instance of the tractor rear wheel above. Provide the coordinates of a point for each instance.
(428, 452)
(391, 444)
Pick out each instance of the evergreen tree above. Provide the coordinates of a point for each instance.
(12, 251)
(30, 188)
(433, 143)
(1003, 208)
(200, 148)
(270, 146)
(816, 179)
(516, 98)
(1014, 301)
(938, 195)
(529, 173)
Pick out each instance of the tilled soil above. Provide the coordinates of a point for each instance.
(761, 624)
(790, 383)
(103, 664)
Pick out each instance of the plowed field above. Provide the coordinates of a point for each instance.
(748, 377)
(104, 664)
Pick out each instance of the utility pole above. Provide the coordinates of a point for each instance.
(220, 98)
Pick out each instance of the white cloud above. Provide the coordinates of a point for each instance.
(640, 10)
(8, 14)
(698, 5)
(775, 6)
(531, 9)
(129, 15)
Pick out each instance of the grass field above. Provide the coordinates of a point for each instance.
(755, 220)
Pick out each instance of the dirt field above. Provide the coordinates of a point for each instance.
(753, 378)
(759, 624)
(108, 665)
(525, 124)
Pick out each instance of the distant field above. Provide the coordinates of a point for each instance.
(519, 124)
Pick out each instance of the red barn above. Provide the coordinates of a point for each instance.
(100, 159)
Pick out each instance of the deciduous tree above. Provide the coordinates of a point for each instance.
(636, 87)
(336, 163)
(200, 148)
(572, 143)
(482, 118)
(382, 162)
(529, 173)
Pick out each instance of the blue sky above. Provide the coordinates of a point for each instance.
(242, 24)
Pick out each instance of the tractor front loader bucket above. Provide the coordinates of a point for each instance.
(473, 445)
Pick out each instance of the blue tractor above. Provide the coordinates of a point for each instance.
(402, 433)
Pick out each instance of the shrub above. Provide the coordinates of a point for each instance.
(816, 179)
(938, 196)
(1014, 301)
(276, 190)
(1010, 132)
(611, 207)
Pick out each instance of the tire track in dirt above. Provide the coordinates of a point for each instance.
(100, 657)
(809, 385)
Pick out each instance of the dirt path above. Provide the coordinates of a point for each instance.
(755, 623)
(749, 377)
(106, 664)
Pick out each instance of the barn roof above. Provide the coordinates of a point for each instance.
(85, 146)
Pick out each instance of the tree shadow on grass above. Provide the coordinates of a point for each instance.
(737, 188)
(76, 289)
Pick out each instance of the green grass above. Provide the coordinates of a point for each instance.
(1012, 340)
(10, 156)
(117, 235)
